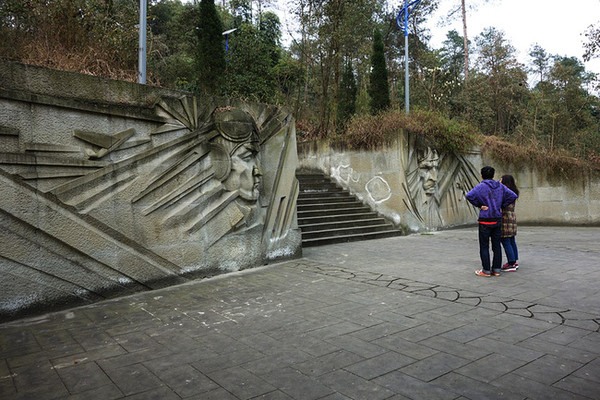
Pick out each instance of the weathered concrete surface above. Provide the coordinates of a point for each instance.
(111, 187)
(418, 188)
(396, 318)
(424, 190)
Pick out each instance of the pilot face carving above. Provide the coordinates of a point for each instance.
(245, 174)
(235, 153)
(428, 171)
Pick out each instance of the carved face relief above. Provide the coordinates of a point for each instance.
(245, 175)
(428, 171)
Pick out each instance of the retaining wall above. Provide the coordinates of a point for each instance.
(111, 187)
(424, 189)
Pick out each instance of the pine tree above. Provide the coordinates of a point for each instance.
(379, 90)
(211, 53)
(347, 96)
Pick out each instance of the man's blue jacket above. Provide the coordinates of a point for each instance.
(493, 194)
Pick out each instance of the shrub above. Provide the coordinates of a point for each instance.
(556, 163)
(430, 128)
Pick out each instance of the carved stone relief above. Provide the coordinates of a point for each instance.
(435, 184)
(195, 187)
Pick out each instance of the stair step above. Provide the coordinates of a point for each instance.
(321, 226)
(326, 200)
(331, 205)
(318, 188)
(337, 218)
(335, 211)
(329, 214)
(352, 230)
(324, 195)
(349, 238)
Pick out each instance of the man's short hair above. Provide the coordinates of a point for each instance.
(487, 172)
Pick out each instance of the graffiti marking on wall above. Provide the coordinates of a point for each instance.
(378, 189)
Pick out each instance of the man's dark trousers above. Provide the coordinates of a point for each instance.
(489, 231)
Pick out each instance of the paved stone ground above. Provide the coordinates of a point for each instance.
(397, 318)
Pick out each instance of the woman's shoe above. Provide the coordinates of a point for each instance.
(509, 268)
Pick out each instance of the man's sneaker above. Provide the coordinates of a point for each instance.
(495, 273)
(481, 272)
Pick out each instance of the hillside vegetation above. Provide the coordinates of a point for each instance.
(342, 73)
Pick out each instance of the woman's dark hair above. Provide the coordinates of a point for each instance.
(509, 182)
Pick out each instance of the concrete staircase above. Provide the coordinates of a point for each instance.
(329, 214)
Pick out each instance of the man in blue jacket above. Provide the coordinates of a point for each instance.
(490, 197)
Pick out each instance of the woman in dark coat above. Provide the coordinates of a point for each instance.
(509, 228)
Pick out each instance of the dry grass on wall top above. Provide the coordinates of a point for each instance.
(371, 132)
(557, 164)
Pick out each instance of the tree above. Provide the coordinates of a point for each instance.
(242, 11)
(452, 72)
(452, 54)
(210, 58)
(173, 43)
(270, 32)
(250, 69)
(463, 8)
(592, 46)
(540, 60)
(570, 120)
(347, 98)
(379, 88)
(465, 39)
(501, 84)
(332, 31)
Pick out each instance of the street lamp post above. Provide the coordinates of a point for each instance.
(405, 13)
(226, 34)
(142, 43)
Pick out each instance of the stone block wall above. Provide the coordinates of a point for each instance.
(111, 187)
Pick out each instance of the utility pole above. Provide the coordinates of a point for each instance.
(403, 24)
(142, 43)
(406, 84)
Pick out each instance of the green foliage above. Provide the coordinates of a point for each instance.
(270, 33)
(241, 11)
(448, 135)
(560, 114)
(250, 73)
(347, 95)
(540, 60)
(496, 95)
(173, 43)
(289, 77)
(210, 57)
(568, 115)
(379, 89)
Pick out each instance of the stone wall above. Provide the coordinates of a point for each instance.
(423, 189)
(111, 187)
